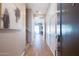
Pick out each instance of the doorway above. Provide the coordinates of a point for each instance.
(38, 26)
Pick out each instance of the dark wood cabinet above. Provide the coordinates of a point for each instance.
(69, 22)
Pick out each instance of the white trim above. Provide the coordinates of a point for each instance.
(50, 48)
(23, 53)
(52, 51)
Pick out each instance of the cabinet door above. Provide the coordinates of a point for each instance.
(70, 29)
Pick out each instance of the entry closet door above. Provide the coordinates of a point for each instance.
(69, 21)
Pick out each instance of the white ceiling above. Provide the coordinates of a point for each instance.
(42, 7)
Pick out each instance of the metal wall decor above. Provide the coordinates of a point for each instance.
(10, 17)
(17, 14)
(6, 20)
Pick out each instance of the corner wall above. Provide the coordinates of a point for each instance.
(29, 25)
(12, 42)
(51, 26)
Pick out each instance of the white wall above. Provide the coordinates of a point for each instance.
(51, 21)
(29, 25)
(12, 42)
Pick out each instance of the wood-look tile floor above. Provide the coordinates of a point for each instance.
(38, 48)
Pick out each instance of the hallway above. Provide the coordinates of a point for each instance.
(38, 47)
(31, 32)
(37, 18)
(39, 29)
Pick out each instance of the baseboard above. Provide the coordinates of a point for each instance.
(23, 53)
(27, 46)
(52, 51)
(50, 48)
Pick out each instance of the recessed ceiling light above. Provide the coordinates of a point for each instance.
(39, 12)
